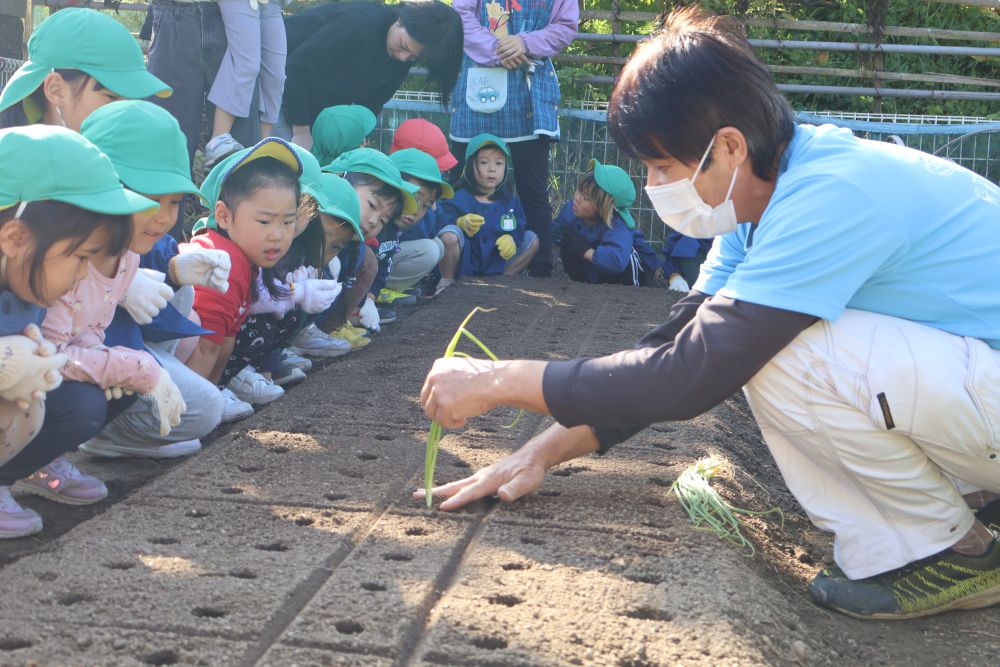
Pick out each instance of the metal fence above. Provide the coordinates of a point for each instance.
(973, 143)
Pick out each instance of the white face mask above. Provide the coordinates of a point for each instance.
(681, 208)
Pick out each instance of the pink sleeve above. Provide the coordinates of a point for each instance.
(480, 44)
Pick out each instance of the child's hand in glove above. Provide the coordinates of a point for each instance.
(29, 367)
(146, 296)
(470, 223)
(315, 295)
(369, 315)
(678, 284)
(167, 402)
(203, 267)
(506, 246)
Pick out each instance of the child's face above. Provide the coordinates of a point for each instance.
(584, 208)
(425, 200)
(76, 103)
(61, 269)
(375, 210)
(336, 235)
(490, 166)
(263, 224)
(148, 227)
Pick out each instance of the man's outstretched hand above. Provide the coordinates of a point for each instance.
(509, 478)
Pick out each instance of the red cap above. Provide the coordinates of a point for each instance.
(426, 136)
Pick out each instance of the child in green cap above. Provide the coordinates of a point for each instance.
(383, 196)
(148, 150)
(599, 241)
(78, 60)
(254, 198)
(421, 247)
(339, 129)
(61, 204)
(489, 215)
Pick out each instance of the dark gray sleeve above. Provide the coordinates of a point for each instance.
(684, 367)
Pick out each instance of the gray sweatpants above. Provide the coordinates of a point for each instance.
(414, 260)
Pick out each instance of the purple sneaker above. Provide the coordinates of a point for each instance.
(62, 482)
(15, 521)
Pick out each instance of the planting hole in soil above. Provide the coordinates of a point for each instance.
(47, 576)
(278, 450)
(163, 657)
(197, 514)
(208, 612)
(272, 546)
(232, 490)
(243, 574)
(550, 494)
(373, 587)
(250, 468)
(14, 644)
(491, 643)
(515, 566)
(335, 496)
(649, 614)
(70, 599)
(119, 565)
(460, 464)
(637, 662)
(384, 438)
(645, 578)
(164, 540)
(367, 457)
(505, 600)
(348, 627)
(305, 521)
(569, 470)
(351, 474)
(416, 531)
(661, 481)
(533, 541)
(398, 556)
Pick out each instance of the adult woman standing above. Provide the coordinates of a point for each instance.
(360, 52)
(508, 88)
(872, 369)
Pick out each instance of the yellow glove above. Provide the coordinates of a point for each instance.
(470, 223)
(506, 246)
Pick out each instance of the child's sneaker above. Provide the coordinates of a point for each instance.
(15, 521)
(63, 482)
(220, 147)
(355, 331)
(234, 409)
(391, 297)
(286, 376)
(356, 341)
(942, 582)
(109, 449)
(254, 388)
(293, 359)
(386, 316)
(312, 342)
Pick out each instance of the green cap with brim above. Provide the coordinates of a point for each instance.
(376, 163)
(272, 147)
(420, 165)
(45, 162)
(89, 41)
(145, 144)
(311, 172)
(483, 140)
(339, 129)
(617, 183)
(342, 202)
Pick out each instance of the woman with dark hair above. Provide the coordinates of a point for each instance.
(360, 52)
(850, 291)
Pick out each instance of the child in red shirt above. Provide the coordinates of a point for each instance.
(255, 195)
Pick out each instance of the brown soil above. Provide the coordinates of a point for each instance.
(292, 538)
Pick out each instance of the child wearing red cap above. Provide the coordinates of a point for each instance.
(425, 136)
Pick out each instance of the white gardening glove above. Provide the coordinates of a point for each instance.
(369, 315)
(315, 295)
(167, 402)
(204, 267)
(678, 284)
(29, 367)
(334, 267)
(146, 296)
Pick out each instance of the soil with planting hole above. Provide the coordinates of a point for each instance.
(341, 566)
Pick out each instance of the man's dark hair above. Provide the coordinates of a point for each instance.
(694, 76)
(438, 28)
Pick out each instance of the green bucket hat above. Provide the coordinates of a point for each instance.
(273, 147)
(311, 172)
(617, 183)
(339, 129)
(43, 162)
(376, 163)
(481, 141)
(86, 40)
(342, 202)
(418, 164)
(146, 145)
